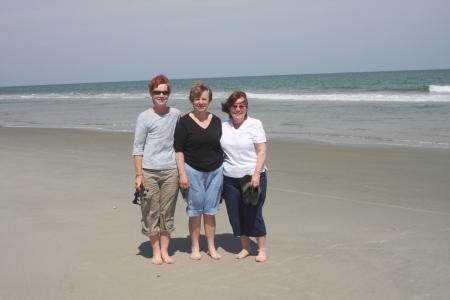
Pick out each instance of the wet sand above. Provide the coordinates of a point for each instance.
(344, 222)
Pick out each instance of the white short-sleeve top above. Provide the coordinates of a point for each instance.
(239, 147)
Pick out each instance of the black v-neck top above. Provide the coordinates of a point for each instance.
(200, 146)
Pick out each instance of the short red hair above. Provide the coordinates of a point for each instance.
(160, 79)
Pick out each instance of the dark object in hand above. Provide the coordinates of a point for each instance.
(140, 195)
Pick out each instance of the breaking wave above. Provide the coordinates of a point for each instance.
(440, 88)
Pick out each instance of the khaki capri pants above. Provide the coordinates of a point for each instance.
(158, 208)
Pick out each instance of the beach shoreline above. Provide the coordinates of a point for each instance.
(344, 222)
(391, 108)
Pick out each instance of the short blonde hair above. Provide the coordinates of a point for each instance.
(197, 89)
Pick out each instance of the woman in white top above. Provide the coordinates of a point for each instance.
(244, 145)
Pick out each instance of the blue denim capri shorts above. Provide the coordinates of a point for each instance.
(204, 192)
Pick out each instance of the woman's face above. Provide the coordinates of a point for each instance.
(161, 99)
(238, 110)
(201, 103)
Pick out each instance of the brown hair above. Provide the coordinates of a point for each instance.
(197, 89)
(160, 79)
(231, 100)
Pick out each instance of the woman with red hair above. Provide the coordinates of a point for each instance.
(156, 169)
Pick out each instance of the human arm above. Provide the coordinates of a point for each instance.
(179, 146)
(139, 177)
(140, 137)
(261, 152)
(183, 180)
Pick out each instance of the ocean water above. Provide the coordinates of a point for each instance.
(406, 108)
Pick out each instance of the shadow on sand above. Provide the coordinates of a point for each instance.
(226, 241)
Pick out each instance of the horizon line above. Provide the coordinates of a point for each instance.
(218, 77)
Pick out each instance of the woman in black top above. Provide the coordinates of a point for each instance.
(199, 161)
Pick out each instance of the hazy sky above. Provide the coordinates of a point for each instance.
(75, 41)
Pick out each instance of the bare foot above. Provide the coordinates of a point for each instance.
(243, 254)
(157, 260)
(167, 259)
(195, 255)
(262, 256)
(214, 254)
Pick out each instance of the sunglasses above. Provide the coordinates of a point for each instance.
(159, 92)
(234, 107)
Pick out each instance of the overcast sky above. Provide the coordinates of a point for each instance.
(77, 41)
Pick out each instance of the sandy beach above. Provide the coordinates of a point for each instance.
(344, 222)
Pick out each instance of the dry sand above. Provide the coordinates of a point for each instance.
(343, 223)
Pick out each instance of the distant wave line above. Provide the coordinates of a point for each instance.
(437, 94)
(354, 97)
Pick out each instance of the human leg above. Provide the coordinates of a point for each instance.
(168, 198)
(195, 194)
(245, 241)
(160, 245)
(253, 224)
(194, 231)
(210, 233)
(262, 250)
(150, 206)
(253, 221)
(194, 209)
(212, 185)
(154, 241)
(213, 182)
(233, 200)
(164, 240)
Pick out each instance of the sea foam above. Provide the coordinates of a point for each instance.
(440, 88)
